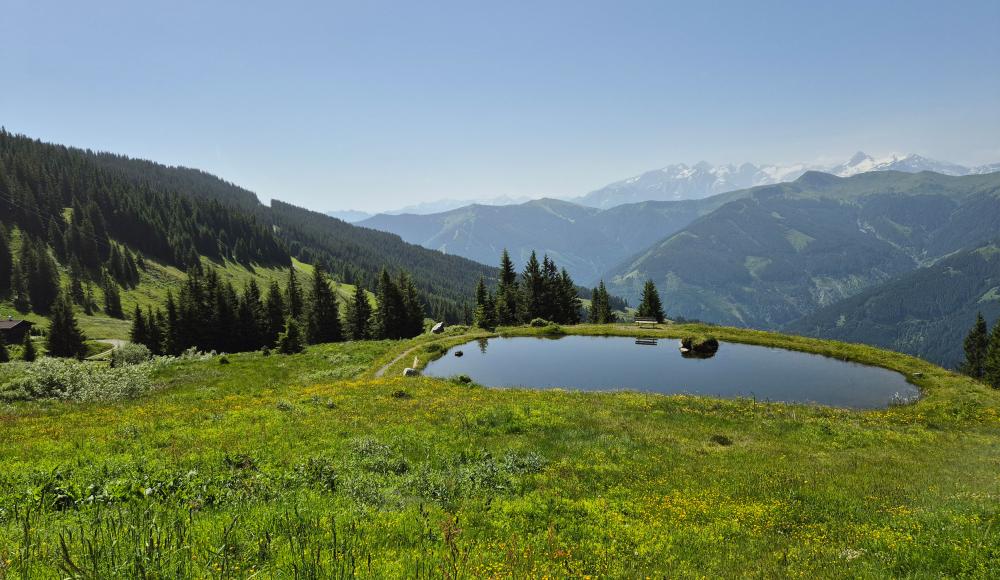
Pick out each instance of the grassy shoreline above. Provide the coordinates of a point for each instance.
(308, 465)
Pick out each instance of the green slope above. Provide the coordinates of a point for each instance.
(774, 254)
(926, 312)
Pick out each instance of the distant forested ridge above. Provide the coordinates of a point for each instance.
(925, 312)
(99, 211)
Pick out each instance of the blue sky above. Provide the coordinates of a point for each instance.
(376, 105)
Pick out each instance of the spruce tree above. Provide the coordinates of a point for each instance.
(275, 308)
(508, 293)
(569, 301)
(650, 306)
(28, 352)
(293, 295)
(976, 346)
(64, 338)
(6, 264)
(600, 306)
(323, 318)
(19, 290)
(359, 313)
(171, 340)
(139, 333)
(991, 365)
(112, 298)
(154, 331)
(290, 341)
(533, 284)
(252, 320)
(413, 307)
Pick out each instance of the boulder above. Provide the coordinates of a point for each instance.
(410, 372)
(438, 328)
(459, 353)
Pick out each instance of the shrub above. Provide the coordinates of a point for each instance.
(434, 348)
(552, 328)
(539, 322)
(51, 378)
(130, 354)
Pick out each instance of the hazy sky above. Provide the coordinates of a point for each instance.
(376, 105)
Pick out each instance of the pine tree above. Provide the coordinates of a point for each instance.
(600, 306)
(4, 353)
(251, 317)
(64, 338)
(976, 346)
(139, 333)
(388, 314)
(154, 331)
(172, 344)
(323, 318)
(112, 298)
(293, 295)
(991, 365)
(569, 301)
(413, 307)
(650, 306)
(485, 313)
(40, 273)
(28, 353)
(19, 289)
(6, 264)
(359, 313)
(508, 293)
(275, 308)
(290, 341)
(534, 289)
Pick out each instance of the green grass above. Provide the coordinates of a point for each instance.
(308, 465)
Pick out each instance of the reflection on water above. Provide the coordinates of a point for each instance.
(595, 363)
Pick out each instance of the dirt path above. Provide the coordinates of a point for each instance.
(382, 370)
(114, 342)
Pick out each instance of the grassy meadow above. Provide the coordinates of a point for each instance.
(312, 466)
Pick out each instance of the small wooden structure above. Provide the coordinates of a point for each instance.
(640, 320)
(13, 331)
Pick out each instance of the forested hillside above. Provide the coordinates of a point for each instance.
(775, 254)
(926, 312)
(98, 215)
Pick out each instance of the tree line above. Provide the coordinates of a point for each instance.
(982, 352)
(210, 314)
(544, 291)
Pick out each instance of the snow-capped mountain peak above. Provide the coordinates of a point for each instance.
(681, 181)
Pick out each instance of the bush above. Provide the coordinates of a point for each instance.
(539, 322)
(434, 348)
(130, 354)
(552, 329)
(66, 379)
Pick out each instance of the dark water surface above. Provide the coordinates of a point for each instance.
(608, 363)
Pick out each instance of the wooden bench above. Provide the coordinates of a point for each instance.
(640, 320)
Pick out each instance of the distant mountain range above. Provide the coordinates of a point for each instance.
(586, 241)
(681, 181)
(776, 256)
(427, 207)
